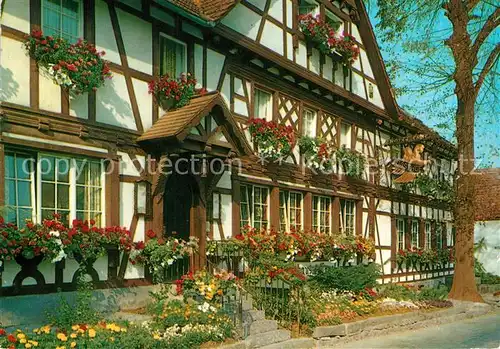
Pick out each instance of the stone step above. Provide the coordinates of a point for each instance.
(262, 326)
(252, 315)
(267, 338)
(295, 343)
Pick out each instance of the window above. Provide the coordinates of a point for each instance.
(345, 135)
(308, 6)
(290, 211)
(347, 216)
(62, 19)
(334, 21)
(263, 104)
(70, 187)
(401, 232)
(19, 187)
(428, 235)
(415, 234)
(88, 191)
(439, 235)
(309, 122)
(172, 57)
(253, 206)
(321, 214)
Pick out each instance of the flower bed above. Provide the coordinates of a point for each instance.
(422, 259)
(172, 93)
(327, 40)
(206, 286)
(318, 154)
(76, 67)
(274, 141)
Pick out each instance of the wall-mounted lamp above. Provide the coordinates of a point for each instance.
(143, 200)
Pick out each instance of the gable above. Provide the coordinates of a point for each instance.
(273, 25)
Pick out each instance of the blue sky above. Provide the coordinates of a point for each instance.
(487, 138)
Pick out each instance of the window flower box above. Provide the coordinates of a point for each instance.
(171, 93)
(317, 153)
(341, 47)
(78, 68)
(273, 141)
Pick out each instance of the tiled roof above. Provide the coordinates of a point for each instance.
(174, 122)
(211, 10)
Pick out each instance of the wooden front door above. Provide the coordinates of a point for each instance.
(178, 201)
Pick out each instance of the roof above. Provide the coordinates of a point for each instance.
(487, 194)
(177, 124)
(211, 10)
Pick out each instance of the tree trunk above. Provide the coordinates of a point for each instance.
(464, 285)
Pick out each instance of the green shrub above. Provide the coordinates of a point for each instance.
(354, 278)
(397, 292)
(433, 293)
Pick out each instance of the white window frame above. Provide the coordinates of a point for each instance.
(287, 209)
(168, 37)
(401, 228)
(343, 215)
(317, 211)
(72, 186)
(32, 180)
(428, 234)
(310, 132)
(268, 117)
(415, 231)
(81, 18)
(439, 235)
(251, 204)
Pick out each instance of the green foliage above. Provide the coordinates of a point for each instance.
(397, 292)
(355, 278)
(433, 293)
(409, 292)
(352, 162)
(79, 312)
(435, 189)
(486, 278)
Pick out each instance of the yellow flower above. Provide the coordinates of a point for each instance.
(61, 347)
(34, 343)
(62, 337)
(27, 345)
(73, 344)
(36, 330)
(156, 336)
(22, 340)
(123, 329)
(21, 335)
(73, 335)
(91, 333)
(75, 327)
(112, 339)
(45, 329)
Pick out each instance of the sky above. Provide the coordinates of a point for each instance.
(487, 127)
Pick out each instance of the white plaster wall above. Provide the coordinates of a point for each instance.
(289, 46)
(225, 180)
(16, 14)
(71, 267)
(191, 29)
(113, 103)
(357, 85)
(490, 257)
(11, 268)
(104, 35)
(384, 230)
(127, 166)
(144, 102)
(136, 271)
(14, 72)
(215, 63)
(226, 215)
(261, 4)
(385, 261)
(367, 68)
(126, 210)
(364, 230)
(226, 89)
(314, 61)
(79, 106)
(328, 69)
(138, 41)
(50, 93)
(163, 16)
(272, 37)
(376, 99)
(248, 27)
(289, 13)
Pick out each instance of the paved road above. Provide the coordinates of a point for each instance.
(480, 332)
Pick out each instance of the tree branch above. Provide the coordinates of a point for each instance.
(491, 23)
(487, 67)
(471, 4)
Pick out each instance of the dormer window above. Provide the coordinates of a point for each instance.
(308, 7)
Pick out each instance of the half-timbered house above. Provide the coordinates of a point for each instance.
(254, 62)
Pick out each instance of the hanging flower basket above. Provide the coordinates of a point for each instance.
(318, 154)
(273, 141)
(340, 46)
(78, 68)
(352, 162)
(172, 93)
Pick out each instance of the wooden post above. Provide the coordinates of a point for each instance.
(372, 213)
(421, 232)
(274, 208)
(112, 186)
(394, 241)
(307, 211)
(408, 233)
(359, 217)
(236, 198)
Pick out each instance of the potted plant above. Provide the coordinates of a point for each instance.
(351, 161)
(274, 141)
(173, 93)
(78, 67)
(318, 154)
